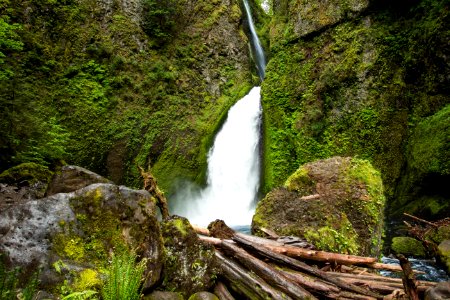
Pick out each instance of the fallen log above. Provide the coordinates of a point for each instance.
(301, 266)
(384, 288)
(242, 281)
(409, 281)
(315, 286)
(379, 278)
(314, 255)
(266, 272)
(221, 291)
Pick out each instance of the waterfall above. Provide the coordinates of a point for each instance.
(258, 51)
(233, 173)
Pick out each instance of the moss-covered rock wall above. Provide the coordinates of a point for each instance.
(355, 83)
(109, 85)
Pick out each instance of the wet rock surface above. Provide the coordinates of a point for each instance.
(189, 267)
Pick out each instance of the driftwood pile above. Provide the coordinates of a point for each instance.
(259, 268)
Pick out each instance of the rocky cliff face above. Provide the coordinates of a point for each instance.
(115, 84)
(349, 78)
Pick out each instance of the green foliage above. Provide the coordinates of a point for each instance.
(84, 295)
(408, 246)
(340, 239)
(9, 281)
(159, 18)
(124, 278)
(9, 43)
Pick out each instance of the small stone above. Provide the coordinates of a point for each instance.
(163, 295)
(440, 292)
(203, 296)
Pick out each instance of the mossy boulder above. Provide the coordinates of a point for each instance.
(163, 295)
(72, 178)
(408, 246)
(336, 204)
(444, 254)
(189, 266)
(203, 296)
(70, 236)
(31, 178)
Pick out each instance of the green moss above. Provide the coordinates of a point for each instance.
(339, 236)
(408, 246)
(30, 172)
(300, 182)
(444, 253)
(87, 279)
(69, 246)
(180, 224)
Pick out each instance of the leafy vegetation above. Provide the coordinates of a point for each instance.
(124, 278)
(9, 283)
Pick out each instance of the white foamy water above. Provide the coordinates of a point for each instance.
(233, 170)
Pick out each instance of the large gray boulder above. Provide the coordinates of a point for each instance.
(336, 204)
(68, 233)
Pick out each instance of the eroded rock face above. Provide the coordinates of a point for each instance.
(337, 204)
(306, 16)
(189, 267)
(79, 230)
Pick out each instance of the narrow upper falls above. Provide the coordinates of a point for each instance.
(233, 161)
(258, 52)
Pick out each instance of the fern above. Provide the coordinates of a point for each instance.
(124, 278)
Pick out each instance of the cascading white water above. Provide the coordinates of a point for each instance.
(258, 52)
(233, 161)
(233, 168)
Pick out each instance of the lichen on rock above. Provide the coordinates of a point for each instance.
(345, 215)
(189, 266)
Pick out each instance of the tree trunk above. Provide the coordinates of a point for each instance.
(221, 291)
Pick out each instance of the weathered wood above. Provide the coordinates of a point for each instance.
(151, 186)
(221, 291)
(266, 272)
(243, 281)
(210, 240)
(379, 278)
(420, 220)
(301, 266)
(311, 197)
(270, 233)
(200, 230)
(409, 280)
(313, 285)
(315, 255)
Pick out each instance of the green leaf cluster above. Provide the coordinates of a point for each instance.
(124, 278)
